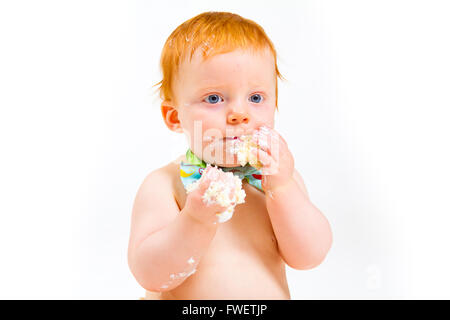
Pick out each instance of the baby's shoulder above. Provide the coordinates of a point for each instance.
(165, 177)
(154, 205)
(158, 188)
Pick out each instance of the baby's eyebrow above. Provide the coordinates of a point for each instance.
(206, 89)
(210, 88)
(254, 86)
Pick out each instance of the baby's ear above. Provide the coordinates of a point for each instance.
(170, 116)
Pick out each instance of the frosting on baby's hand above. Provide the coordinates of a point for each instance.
(245, 146)
(224, 189)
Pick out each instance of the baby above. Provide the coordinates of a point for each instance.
(223, 220)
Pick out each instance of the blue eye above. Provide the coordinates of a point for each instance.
(256, 100)
(215, 99)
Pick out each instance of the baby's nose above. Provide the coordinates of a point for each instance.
(237, 117)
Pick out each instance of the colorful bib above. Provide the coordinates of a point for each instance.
(193, 169)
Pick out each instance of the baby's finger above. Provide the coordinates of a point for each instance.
(268, 140)
(262, 156)
(270, 165)
(204, 183)
(261, 139)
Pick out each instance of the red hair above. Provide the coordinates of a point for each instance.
(215, 33)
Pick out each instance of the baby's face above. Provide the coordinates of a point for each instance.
(228, 95)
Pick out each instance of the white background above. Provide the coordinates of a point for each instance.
(365, 112)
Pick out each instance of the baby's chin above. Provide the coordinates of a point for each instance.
(226, 158)
(228, 161)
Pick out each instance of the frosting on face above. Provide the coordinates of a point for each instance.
(243, 149)
(246, 145)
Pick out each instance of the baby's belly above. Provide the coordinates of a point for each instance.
(242, 262)
(234, 280)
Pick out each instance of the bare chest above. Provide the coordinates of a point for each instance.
(244, 249)
(249, 229)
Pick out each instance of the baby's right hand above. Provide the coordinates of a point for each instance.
(195, 205)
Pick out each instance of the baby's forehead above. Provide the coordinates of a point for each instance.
(199, 56)
(238, 62)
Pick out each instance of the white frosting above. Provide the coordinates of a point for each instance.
(222, 183)
(191, 272)
(243, 149)
(218, 192)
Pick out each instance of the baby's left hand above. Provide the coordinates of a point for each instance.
(277, 160)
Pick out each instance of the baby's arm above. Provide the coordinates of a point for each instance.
(165, 244)
(303, 233)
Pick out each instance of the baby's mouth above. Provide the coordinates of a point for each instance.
(232, 138)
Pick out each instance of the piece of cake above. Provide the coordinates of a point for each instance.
(218, 192)
(243, 147)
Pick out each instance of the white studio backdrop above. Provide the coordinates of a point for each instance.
(364, 111)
